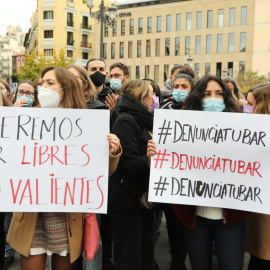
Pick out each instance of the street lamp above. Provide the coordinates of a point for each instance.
(189, 60)
(103, 18)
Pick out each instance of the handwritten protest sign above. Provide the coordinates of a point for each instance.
(211, 159)
(53, 160)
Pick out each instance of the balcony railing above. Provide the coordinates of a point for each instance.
(70, 42)
(86, 27)
(5, 59)
(86, 45)
(70, 23)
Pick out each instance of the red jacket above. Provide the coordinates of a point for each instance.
(187, 215)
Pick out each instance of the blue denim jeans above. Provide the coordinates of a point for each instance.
(9, 251)
(96, 263)
(229, 244)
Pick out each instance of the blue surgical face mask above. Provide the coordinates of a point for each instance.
(180, 95)
(29, 100)
(213, 105)
(38, 88)
(116, 84)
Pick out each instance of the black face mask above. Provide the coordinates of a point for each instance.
(98, 78)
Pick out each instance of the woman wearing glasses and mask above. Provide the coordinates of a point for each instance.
(26, 95)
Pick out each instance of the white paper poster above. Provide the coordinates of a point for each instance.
(211, 159)
(53, 160)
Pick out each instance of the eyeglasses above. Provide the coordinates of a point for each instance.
(27, 93)
(116, 75)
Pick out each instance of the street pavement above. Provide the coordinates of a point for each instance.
(161, 253)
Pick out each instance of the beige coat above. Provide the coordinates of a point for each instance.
(23, 225)
(258, 236)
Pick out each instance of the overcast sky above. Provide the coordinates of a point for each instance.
(18, 12)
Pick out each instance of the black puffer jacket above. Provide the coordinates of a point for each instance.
(131, 178)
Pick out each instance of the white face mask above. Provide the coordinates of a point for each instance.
(48, 98)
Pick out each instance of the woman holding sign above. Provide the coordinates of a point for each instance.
(132, 224)
(36, 235)
(258, 225)
(203, 225)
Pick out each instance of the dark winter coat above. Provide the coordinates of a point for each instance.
(131, 178)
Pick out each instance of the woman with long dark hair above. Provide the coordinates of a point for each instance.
(203, 225)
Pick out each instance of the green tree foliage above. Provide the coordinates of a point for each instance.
(35, 62)
(249, 79)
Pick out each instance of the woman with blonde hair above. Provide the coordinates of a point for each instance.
(258, 225)
(132, 224)
(36, 235)
(5, 89)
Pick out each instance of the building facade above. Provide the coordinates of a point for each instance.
(17, 62)
(10, 44)
(64, 24)
(223, 37)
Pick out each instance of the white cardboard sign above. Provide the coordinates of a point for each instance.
(211, 159)
(53, 160)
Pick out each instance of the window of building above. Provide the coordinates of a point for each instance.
(230, 69)
(243, 42)
(218, 70)
(129, 70)
(198, 45)
(114, 29)
(156, 73)
(187, 46)
(106, 30)
(139, 48)
(197, 71)
(105, 50)
(167, 46)
(84, 39)
(219, 43)
(232, 17)
(188, 21)
(220, 17)
(158, 23)
(48, 34)
(123, 22)
(243, 15)
(85, 56)
(70, 19)
(121, 50)
(130, 45)
(178, 22)
(131, 27)
(177, 46)
(85, 22)
(208, 44)
(166, 72)
(137, 72)
(168, 23)
(48, 52)
(242, 67)
(231, 43)
(147, 69)
(148, 48)
(48, 15)
(199, 20)
(157, 52)
(140, 30)
(207, 68)
(112, 50)
(69, 54)
(70, 40)
(209, 18)
(149, 25)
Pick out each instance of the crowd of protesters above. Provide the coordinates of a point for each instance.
(129, 232)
